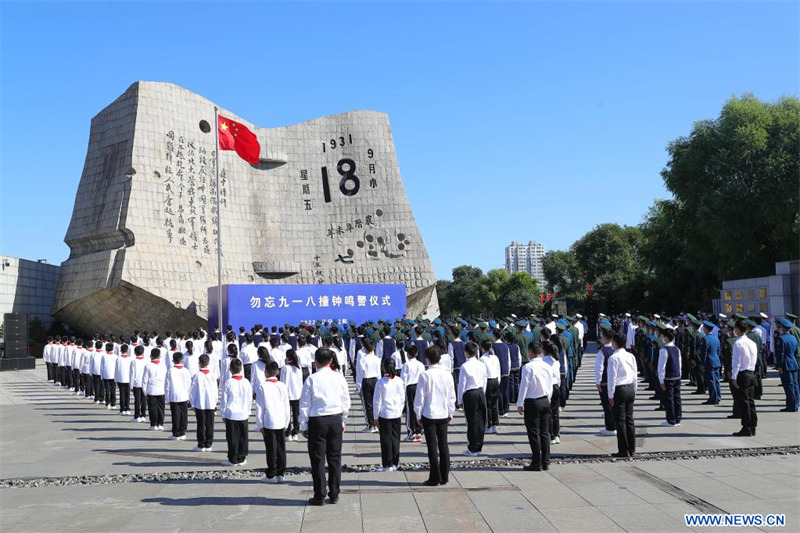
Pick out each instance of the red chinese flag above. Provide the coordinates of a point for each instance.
(541, 298)
(235, 136)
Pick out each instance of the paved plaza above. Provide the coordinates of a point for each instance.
(48, 433)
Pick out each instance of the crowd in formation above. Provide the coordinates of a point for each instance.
(417, 373)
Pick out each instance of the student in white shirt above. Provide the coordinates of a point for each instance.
(97, 378)
(472, 395)
(305, 356)
(138, 365)
(535, 389)
(399, 356)
(368, 369)
(190, 358)
(122, 377)
(107, 369)
(177, 395)
(492, 363)
(622, 394)
(388, 403)
(410, 374)
(237, 399)
(292, 376)
(249, 355)
(434, 405)
(203, 394)
(324, 405)
(86, 370)
(272, 418)
(275, 353)
(153, 383)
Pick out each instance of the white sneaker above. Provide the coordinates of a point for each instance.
(172, 437)
(560, 409)
(270, 480)
(207, 449)
(81, 394)
(109, 407)
(135, 420)
(392, 469)
(280, 479)
(227, 463)
(182, 437)
(605, 431)
(198, 449)
(504, 415)
(374, 430)
(677, 424)
(152, 428)
(367, 429)
(382, 469)
(558, 440)
(244, 462)
(666, 424)
(491, 431)
(468, 453)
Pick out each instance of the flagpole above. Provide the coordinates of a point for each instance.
(219, 226)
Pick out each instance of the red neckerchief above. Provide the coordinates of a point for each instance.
(289, 363)
(155, 362)
(124, 355)
(178, 366)
(272, 380)
(205, 370)
(238, 376)
(110, 352)
(89, 349)
(72, 344)
(139, 357)
(390, 376)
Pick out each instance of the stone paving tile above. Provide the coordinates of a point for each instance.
(580, 519)
(509, 511)
(642, 517)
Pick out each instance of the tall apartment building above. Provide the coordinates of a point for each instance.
(526, 258)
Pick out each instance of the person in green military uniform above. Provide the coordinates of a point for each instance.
(695, 338)
(640, 345)
(522, 340)
(794, 331)
(727, 363)
(575, 340)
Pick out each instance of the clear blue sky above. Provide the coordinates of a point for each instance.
(512, 121)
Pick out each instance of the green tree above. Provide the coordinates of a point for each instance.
(562, 273)
(519, 295)
(735, 181)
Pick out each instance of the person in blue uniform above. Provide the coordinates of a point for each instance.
(787, 365)
(710, 363)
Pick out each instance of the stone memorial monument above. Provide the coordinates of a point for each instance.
(325, 204)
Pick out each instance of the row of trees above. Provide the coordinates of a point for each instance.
(734, 213)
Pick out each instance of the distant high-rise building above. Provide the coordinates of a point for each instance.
(526, 258)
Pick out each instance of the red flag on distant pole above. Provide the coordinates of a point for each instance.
(542, 298)
(236, 136)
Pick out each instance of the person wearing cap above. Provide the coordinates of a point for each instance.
(522, 341)
(622, 394)
(759, 370)
(457, 356)
(710, 363)
(695, 343)
(787, 364)
(794, 331)
(762, 326)
(669, 378)
(727, 367)
(745, 354)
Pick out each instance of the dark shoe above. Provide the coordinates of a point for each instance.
(707, 402)
(315, 501)
(333, 501)
(753, 431)
(444, 482)
(653, 397)
(546, 467)
(659, 409)
(744, 432)
(430, 483)
(698, 392)
(734, 416)
(532, 468)
(619, 455)
(787, 410)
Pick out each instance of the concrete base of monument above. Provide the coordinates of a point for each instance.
(17, 363)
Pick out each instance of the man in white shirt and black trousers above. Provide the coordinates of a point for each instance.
(367, 373)
(743, 379)
(535, 389)
(621, 395)
(434, 405)
(324, 404)
(472, 395)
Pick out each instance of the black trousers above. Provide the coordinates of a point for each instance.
(124, 396)
(438, 449)
(294, 425)
(111, 392)
(179, 413)
(367, 394)
(139, 403)
(390, 441)
(275, 443)
(99, 389)
(76, 379)
(411, 416)
(672, 400)
(624, 397)
(205, 427)
(155, 404)
(747, 398)
(505, 399)
(88, 385)
(248, 370)
(65, 376)
(456, 373)
(555, 417)
(514, 379)
(608, 413)
(237, 437)
(50, 372)
(493, 402)
(537, 422)
(475, 413)
(325, 445)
